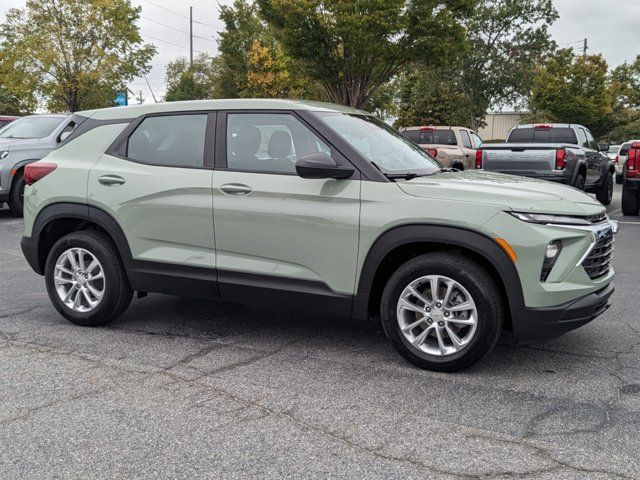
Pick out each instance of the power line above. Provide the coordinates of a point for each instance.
(177, 13)
(170, 43)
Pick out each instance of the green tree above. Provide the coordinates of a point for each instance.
(197, 82)
(429, 96)
(353, 47)
(573, 89)
(506, 40)
(75, 53)
(252, 61)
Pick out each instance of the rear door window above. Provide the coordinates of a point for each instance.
(464, 137)
(543, 135)
(170, 141)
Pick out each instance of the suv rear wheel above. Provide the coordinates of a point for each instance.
(630, 202)
(442, 311)
(85, 279)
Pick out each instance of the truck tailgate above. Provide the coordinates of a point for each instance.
(520, 159)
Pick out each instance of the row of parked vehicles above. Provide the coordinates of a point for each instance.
(320, 207)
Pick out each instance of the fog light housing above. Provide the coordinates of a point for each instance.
(551, 254)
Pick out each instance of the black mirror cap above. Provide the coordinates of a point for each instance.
(320, 165)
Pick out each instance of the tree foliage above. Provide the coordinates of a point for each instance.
(428, 96)
(353, 47)
(75, 54)
(197, 82)
(252, 61)
(505, 39)
(573, 89)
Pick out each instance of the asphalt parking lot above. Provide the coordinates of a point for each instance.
(180, 388)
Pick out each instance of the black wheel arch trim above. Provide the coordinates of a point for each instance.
(478, 243)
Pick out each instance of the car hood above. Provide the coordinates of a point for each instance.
(516, 193)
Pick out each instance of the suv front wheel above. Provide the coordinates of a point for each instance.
(442, 311)
(85, 279)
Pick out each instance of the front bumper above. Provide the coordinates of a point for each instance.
(536, 324)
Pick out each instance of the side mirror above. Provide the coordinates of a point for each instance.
(603, 147)
(321, 165)
(63, 136)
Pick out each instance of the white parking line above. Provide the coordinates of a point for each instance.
(629, 223)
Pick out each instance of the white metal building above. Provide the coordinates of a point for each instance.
(499, 124)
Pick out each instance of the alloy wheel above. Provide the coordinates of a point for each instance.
(79, 280)
(437, 315)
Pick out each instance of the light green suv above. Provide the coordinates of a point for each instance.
(310, 205)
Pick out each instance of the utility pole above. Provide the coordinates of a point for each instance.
(191, 37)
(584, 48)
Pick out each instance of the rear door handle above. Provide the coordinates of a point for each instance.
(236, 189)
(111, 180)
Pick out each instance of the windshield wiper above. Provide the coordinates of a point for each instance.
(405, 175)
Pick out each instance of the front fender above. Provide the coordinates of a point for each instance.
(469, 240)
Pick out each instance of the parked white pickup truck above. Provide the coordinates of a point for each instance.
(454, 147)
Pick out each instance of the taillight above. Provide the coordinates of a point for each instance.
(36, 171)
(561, 154)
(631, 166)
(433, 152)
(479, 153)
(617, 160)
(427, 129)
(542, 127)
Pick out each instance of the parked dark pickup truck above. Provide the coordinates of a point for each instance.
(561, 153)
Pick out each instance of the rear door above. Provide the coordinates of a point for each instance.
(155, 181)
(467, 148)
(276, 232)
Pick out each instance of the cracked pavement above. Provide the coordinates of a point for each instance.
(180, 388)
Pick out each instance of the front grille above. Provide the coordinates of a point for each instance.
(598, 262)
(598, 218)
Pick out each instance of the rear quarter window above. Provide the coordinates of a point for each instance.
(539, 135)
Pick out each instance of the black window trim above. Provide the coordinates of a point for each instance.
(118, 148)
(221, 146)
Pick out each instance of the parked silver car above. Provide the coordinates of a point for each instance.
(25, 141)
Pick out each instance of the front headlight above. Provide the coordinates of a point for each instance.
(4, 154)
(546, 219)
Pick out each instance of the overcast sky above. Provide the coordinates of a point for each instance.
(609, 25)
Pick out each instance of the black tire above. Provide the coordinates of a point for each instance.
(16, 197)
(579, 182)
(475, 280)
(458, 165)
(630, 202)
(117, 291)
(605, 192)
(619, 178)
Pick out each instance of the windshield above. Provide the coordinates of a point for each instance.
(385, 147)
(31, 127)
(434, 137)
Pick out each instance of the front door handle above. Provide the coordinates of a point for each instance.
(111, 180)
(236, 189)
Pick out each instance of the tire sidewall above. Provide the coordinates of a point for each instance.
(16, 201)
(107, 258)
(489, 322)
